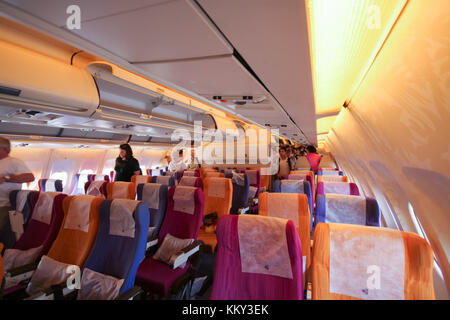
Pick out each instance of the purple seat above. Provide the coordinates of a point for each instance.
(157, 277)
(348, 188)
(338, 208)
(155, 196)
(20, 201)
(330, 172)
(265, 277)
(191, 181)
(41, 230)
(96, 188)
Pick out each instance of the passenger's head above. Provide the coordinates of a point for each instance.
(311, 149)
(282, 151)
(5, 147)
(180, 153)
(125, 151)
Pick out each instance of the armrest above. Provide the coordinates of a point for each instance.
(55, 292)
(243, 210)
(16, 275)
(183, 255)
(151, 241)
(131, 294)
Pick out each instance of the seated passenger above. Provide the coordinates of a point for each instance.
(177, 163)
(126, 164)
(194, 164)
(13, 172)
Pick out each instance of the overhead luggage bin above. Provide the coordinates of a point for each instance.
(35, 81)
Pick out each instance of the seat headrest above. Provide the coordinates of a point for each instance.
(263, 246)
(150, 195)
(292, 186)
(43, 208)
(121, 221)
(188, 181)
(217, 186)
(184, 199)
(342, 208)
(78, 214)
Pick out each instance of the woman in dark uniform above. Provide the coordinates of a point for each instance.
(126, 164)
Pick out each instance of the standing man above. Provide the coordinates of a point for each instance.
(13, 172)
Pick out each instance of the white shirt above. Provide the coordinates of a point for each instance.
(177, 164)
(10, 166)
(284, 167)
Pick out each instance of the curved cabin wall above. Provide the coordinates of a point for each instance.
(394, 135)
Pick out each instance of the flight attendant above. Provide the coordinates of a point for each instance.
(126, 164)
(313, 158)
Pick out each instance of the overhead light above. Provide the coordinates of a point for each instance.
(345, 38)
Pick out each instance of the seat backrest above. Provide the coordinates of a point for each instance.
(360, 262)
(213, 174)
(184, 213)
(348, 188)
(52, 185)
(155, 196)
(44, 224)
(20, 200)
(100, 177)
(121, 240)
(96, 188)
(328, 172)
(78, 230)
(191, 173)
(121, 190)
(218, 195)
(332, 179)
(191, 181)
(138, 179)
(258, 258)
(293, 207)
(241, 189)
(339, 208)
(165, 180)
(296, 186)
(254, 177)
(305, 175)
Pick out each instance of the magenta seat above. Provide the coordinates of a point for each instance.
(230, 283)
(347, 188)
(157, 277)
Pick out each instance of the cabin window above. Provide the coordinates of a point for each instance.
(109, 166)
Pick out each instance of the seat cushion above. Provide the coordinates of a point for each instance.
(156, 276)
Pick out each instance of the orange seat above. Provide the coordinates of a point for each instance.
(352, 262)
(295, 207)
(73, 246)
(121, 190)
(218, 198)
(138, 179)
(332, 178)
(216, 174)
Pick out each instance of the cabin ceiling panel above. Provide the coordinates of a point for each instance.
(222, 75)
(164, 31)
(273, 39)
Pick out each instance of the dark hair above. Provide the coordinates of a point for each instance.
(283, 148)
(127, 148)
(311, 149)
(180, 151)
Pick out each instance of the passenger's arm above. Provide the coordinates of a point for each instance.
(18, 178)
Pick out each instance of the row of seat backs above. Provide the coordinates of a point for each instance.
(53, 185)
(252, 267)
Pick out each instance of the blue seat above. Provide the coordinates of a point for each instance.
(241, 189)
(155, 196)
(120, 243)
(348, 209)
(165, 180)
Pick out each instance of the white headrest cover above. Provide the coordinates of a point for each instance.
(43, 209)
(78, 214)
(342, 208)
(336, 187)
(292, 186)
(121, 221)
(263, 247)
(150, 195)
(184, 199)
(359, 255)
